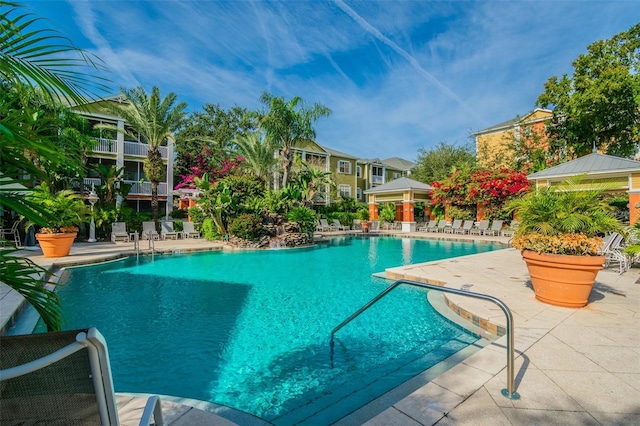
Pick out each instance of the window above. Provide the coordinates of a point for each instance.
(358, 171)
(377, 174)
(345, 190)
(344, 167)
(396, 175)
(359, 193)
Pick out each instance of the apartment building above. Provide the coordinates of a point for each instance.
(116, 148)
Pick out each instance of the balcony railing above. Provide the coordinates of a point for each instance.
(137, 187)
(377, 179)
(140, 149)
(106, 146)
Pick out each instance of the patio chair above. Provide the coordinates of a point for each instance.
(441, 225)
(324, 225)
(510, 230)
(189, 230)
(457, 223)
(11, 234)
(337, 225)
(119, 232)
(357, 226)
(478, 230)
(149, 231)
(466, 227)
(166, 231)
(425, 227)
(613, 251)
(61, 378)
(374, 227)
(496, 227)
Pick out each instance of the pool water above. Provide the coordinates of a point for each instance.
(251, 329)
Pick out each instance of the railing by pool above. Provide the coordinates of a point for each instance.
(509, 392)
(137, 187)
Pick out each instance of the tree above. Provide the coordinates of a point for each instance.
(156, 120)
(34, 58)
(437, 163)
(258, 154)
(213, 130)
(600, 103)
(289, 123)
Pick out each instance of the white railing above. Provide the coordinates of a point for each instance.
(377, 179)
(144, 188)
(106, 146)
(141, 149)
(91, 181)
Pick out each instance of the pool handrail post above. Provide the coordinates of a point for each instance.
(509, 392)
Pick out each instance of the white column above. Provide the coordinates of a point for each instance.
(170, 144)
(119, 154)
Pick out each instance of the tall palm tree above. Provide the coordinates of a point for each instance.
(289, 123)
(32, 57)
(155, 119)
(258, 153)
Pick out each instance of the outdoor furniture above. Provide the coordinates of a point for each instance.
(466, 227)
(441, 225)
(357, 226)
(425, 227)
(61, 378)
(478, 230)
(337, 225)
(149, 231)
(374, 226)
(11, 234)
(324, 225)
(496, 227)
(457, 223)
(166, 231)
(119, 231)
(510, 230)
(189, 230)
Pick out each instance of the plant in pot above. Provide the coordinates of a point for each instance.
(65, 210)
(363, 215)
(560, 233)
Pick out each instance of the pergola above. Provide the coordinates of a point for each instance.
(404, 193)
(618, 174)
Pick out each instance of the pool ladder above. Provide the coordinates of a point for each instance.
(509, 392)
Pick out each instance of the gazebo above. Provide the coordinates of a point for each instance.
(403, 192)
(618, 174)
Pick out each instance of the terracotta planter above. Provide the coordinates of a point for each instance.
(365, 226)
(56, 245)
(562, 280)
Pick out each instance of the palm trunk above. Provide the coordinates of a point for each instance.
(154, 201)
(286, 165)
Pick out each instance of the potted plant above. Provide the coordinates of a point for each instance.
(363, 215)
(64, 210)
(560, 233)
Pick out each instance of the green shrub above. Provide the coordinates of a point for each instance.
(459, 212)
(210, 230)
(388, 212)
(247, 226)
(179, 213)
(304, 217)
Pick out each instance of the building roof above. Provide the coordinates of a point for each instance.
(337, 153)
(399, 163)
(509, 124)
(400, 184)
(589, 164)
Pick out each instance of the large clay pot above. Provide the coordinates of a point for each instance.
(562, 280)
(56, 245)
(365, 226)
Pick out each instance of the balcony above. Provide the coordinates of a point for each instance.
(376, 180)
(137, 188)
(131, 149)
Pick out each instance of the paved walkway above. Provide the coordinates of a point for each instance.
(573, 366)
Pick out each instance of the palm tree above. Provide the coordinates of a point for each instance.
(31, 57)
(156, 120)
(258, 154)
(289, 123)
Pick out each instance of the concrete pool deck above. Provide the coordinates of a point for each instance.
(573, 366)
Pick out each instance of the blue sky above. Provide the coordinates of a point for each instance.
(397, 75)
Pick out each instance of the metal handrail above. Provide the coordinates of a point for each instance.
(509, 392)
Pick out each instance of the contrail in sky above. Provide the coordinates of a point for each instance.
(377, 34)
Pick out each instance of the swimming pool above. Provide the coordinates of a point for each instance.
(251, 330)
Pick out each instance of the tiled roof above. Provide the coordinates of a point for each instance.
(589, 164)
(399, 184)
(399, 163)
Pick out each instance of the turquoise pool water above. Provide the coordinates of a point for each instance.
(251, 330)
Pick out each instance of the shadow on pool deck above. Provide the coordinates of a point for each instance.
(573, 366)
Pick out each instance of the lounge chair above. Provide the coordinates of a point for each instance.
(510, 230)
(425, 227)
(457, 223)
(496, 227)
(466, 227)
(166, 231)
(441, 225)
(61, 378)
(374, 226)
(149, 231)
(189, 230)
(119, 232)
(338, 226)
(613, 251)
(482, 226)
(357, 226)
(324, 225)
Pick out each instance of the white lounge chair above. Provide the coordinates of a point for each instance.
(457, 223)
(119, 232)
(441, 225)
(149, 231)
(374, 227)
(338, 226)
(189, 230)
(496, 227)
(324, 225)
(482, 226)
(425, 227)
(166, 231)
(466, 227)
(510, 230)
(61, 378)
